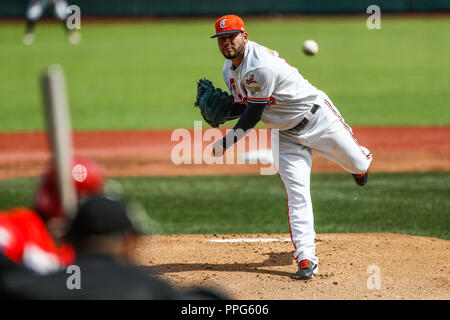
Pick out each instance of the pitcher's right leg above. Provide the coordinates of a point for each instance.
(294, 167)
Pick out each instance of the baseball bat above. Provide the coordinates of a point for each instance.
(60, 134)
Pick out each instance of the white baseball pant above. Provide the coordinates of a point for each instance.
(328, 134)
(36, 9)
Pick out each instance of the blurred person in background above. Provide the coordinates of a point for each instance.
(34, 12)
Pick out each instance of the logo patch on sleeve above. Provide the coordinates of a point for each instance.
(250, 78)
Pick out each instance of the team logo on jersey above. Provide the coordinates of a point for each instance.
(223, 23)
(250, 78)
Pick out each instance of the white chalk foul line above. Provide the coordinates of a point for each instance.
(251, 240)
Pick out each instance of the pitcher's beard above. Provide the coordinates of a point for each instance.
(230, 56)
(236, 54)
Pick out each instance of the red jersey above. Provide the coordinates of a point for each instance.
(25, 240)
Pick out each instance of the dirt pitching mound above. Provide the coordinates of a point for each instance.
(351, 266)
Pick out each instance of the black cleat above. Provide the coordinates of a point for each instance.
(361, 179)
(306, 270)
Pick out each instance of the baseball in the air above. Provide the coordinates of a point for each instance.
(310, 47)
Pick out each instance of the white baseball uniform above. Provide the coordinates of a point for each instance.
(264, 77)
(37, 7)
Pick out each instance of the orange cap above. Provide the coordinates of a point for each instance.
(229, 24)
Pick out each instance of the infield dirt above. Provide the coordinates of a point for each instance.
(351, 266)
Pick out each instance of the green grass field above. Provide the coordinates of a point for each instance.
(407, 203)
(142, 75)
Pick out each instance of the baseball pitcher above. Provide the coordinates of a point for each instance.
(264, 86)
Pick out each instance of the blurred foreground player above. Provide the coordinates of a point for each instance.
(34, 12)
(104, 238)
(31, 237)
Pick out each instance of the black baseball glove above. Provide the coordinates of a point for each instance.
(215, 104)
